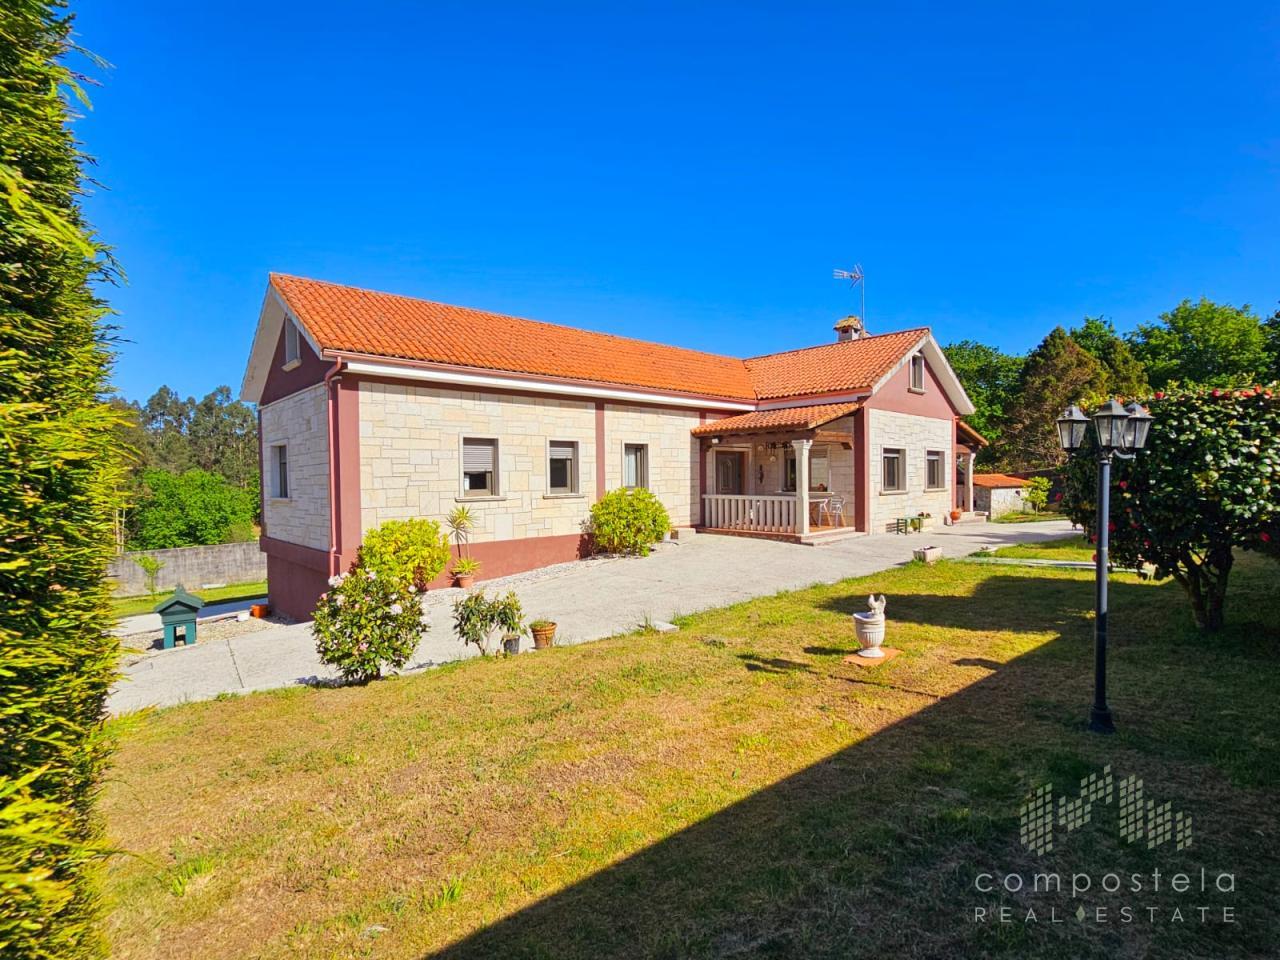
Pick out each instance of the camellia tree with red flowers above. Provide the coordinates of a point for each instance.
(1207, 484)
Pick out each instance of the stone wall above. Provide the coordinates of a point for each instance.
(916, 435)
(300, 422)
(411, 458)
(193, 567)
(997, 501)
(673, 454)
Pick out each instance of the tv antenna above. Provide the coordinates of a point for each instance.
(856, 278)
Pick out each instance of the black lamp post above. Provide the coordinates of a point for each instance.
(1121, 432)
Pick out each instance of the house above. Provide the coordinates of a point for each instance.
(996, 494)
(374, 407)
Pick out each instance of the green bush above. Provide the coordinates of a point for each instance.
(366, 622)
(476, 618)
(628, 521)
(406, 551)
(190, 509)
(60, 477)
(1037, 493)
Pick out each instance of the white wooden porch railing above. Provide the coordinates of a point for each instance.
(722, 511)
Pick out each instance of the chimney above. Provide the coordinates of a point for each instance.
(850, 328)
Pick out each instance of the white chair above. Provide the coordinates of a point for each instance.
(833, 509)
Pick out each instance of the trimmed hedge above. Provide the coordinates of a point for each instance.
(60, 479)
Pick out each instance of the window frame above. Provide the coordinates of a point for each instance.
(292, 344)
(917, 366)
(789, 471)
(494, 490)
(941, 458)
(900, 453)
(643, 467)
(575, 470)
(280, 471)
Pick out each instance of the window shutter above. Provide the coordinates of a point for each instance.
(477, 456)
(561, 450)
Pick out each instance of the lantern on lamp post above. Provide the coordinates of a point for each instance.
(1121, 431)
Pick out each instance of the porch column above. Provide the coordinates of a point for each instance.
(968, 483)
(802, 485)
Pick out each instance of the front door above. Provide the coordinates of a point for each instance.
(729, 470)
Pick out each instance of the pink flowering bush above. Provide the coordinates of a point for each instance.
(367, 621)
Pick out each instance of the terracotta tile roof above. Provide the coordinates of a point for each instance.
(994, 480)
(762, 421)
(349, 319)
(386, 325)
(851, 365)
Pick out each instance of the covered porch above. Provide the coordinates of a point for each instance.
(787, 474)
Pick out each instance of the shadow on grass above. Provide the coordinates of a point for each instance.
(875, 851)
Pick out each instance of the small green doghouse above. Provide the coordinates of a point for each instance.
(178, 614)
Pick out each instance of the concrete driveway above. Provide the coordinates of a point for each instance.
(588, 600)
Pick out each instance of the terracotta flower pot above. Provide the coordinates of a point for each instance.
(543, 637)
(955, 516)
(465, 580)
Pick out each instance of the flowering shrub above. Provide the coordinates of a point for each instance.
(628, 521)
(367, 621)
(476, 618)
(1207, 483)
(406, 551)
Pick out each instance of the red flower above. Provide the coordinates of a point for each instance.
(1123, 484)
(1112, 526)
(1095, 558)
(1057, 497)
(1146, 543)
(1266, 537)
(1093, 538)
(1216, 393)
(1159, 394)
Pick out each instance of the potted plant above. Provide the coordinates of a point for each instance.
(544, 633)
(508, 616)
(956, 514)
(464, 571)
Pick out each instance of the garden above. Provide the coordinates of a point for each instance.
(733, 787)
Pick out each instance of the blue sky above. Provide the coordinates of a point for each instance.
(685, 173)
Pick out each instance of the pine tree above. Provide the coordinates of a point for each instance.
(1057, 373)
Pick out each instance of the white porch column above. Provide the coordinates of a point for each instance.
(968, 483)
(802, 485)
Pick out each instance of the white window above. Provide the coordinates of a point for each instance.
(893, 470)
(917, 372)
(934, 478)
(562, 467)
(479, 467)
(819, 470)
(280, 472)
(635, 465)
(292, 343)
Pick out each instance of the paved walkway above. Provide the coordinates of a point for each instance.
(588, 600)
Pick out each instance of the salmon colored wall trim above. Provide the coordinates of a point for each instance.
(600, 448)
(295, 553)
(896, 396)
(281, 383)
(501, 558)
(331, 418)
(347, 461)
(294, 588)
(861, 474)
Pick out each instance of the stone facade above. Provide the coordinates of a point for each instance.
(411, 458)
(673, 454)
(997, 501)
(300, 422)
(915, 435)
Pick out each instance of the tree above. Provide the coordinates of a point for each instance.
(223, 438)
(1208, 482)
(1036, 495)
(1056, 374)
(60, 482)
(1205, 344)
(1126, 375)
(1271, 336)
(195, 507)
(990, 378)
(165, 420)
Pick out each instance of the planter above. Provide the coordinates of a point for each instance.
(260, 610)
(955, 516)
(543, 637)
(928, 554)
(511, 644)
(870, 631)
(465, 580)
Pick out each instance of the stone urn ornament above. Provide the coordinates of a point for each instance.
(870, 628)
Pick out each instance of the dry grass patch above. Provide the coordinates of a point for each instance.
(729, 789)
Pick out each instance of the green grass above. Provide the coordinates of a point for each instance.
(1019, 517)
(1068, 548)
(733, 788)
(132, 606)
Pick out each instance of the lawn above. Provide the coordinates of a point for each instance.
(132, 606)
(1029, 517)
(730, 789)
(1068, 548)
